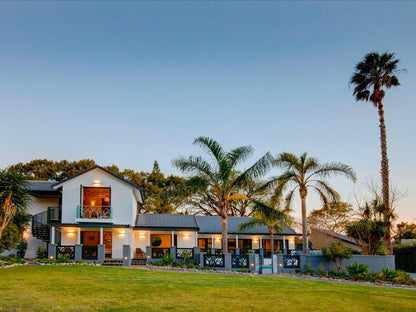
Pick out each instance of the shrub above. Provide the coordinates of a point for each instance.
(190, 265)
(64, 259)
(158, 263)
(207, 268)
(41, 252)
(374, 277)
(80, 261)
(168, 260)
(244, 270)
(337, 252)
(388, 275)
(321, 269)
(406, 258)
(309, 270)
(21, 248)
(404, 278)
(357, 271)
(186, 256)
(156, 241)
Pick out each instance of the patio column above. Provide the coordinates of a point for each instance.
(148, 238)
(125, 236)
(237, 250)
(196, 239)
(78, 236)
(212, 241)
(52, 235)
(284, 243)
(260, 242)
(101, 236)
(172, 239)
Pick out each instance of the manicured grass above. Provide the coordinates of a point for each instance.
(86, 288)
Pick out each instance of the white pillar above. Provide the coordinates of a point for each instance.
(125, 236)
(284, 242)
(196, 239)
(212, 241)
(101, 236)
(260, 242)
(52, 235)
(172, 239)
(148, 238)
(236, 241)
(79, 236)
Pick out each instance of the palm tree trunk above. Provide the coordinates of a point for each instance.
(384, 159)
(304, 225)
(224, 241)
(272, 243)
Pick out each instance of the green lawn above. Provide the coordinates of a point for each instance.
(86, 288)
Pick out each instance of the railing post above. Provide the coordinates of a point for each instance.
(172, 251)
(101, 253)
(202, 258)
(78, 252)
(274, 264)
(252, 262)
(261, 253)
(237, 251)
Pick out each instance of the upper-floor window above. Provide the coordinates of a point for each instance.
(96, 203)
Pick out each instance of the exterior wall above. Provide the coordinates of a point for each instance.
(38, 205)
(69, 236)
(185, 239)
(122, 198)
(321, 240)
(139, 240)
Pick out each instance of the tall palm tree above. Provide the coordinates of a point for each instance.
(371, 76)
(306, 173)
(269, 215)
(220, 174)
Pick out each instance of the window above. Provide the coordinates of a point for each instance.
(96, 202)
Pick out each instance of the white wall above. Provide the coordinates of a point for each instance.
(38, 205)
(122, 198)
(186, 239)
(69, 236)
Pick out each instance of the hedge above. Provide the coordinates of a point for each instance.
(405, 258)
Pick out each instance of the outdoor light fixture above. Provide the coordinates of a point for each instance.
(97, 182)
(280, 264)
(125, 258)
(148, 257)
(51, 257)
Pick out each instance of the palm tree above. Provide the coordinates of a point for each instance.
(371, 75)
(268, 215)
(306, 173)
(220, 174)
(14, 196)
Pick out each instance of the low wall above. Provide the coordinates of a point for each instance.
(375, 263)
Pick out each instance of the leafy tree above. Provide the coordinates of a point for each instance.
(337, 252)
(269, 215)
(305, 173)
(405, 230)
(220, 175)
(14, 196)
(370, 230)
(334, 217)
(372, 75)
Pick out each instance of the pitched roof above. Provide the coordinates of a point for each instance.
(203, 224)
(212, 225)
(166, 222)
(337, 235)
(102, 169)
(42, 187)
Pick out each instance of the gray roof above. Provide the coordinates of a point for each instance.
(203, 224)
(212, 225)
(166, 222)
(337, 235)
(42, 187)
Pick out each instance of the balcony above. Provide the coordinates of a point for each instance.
(101, 214)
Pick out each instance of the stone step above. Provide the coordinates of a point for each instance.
(138, 261)
(113, 262)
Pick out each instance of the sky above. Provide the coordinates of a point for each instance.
(127, 83)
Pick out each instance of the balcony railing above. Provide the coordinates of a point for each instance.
(54, 214)
(94, 212)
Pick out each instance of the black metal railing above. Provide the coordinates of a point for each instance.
(159, 253)
(292, 252)
(218, 252)
(181, 251)
(291, 262)
(89, 252)
(54, 214)
(214, 261)
(67, 251)
(239, 261)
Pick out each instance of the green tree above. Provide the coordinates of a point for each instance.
(269, 215)
(334, 217)
(219, 174)
(405, 230)
(337, 252)
(13, 187)
(370, 230)
(372, 75)
(304, 173)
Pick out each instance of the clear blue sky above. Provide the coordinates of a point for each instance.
(127, 83)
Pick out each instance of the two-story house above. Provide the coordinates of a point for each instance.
(94, 216)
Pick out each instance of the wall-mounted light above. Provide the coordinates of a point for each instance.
(125, 258)
(280, 264)
(186, 236)
(51, 257)
(97, 182)
(142, 235)
(217, 239)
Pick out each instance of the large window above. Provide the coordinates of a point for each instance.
(96, 202)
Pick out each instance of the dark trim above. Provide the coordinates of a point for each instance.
(90, 225)
(165, 228)
(258, 233)
(102, 169)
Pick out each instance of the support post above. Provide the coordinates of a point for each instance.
(172, 240)
(196, 239)
(148, 254)
(101, 236)
(53, 236)
(101, 253)
(125, 237)
(126, 255)
(52, 252)
(197, 251)
(148, 238)
(79, 236)
(172, 251)
(78, 252)
(227, 261)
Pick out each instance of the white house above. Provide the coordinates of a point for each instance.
(93, 216)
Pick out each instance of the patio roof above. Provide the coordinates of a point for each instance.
(166, 222)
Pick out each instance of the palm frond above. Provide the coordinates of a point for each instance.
(334, 168)
(195, 165)
(212, 146)
(257, 170)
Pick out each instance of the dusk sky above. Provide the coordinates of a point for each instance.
(132, 82)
